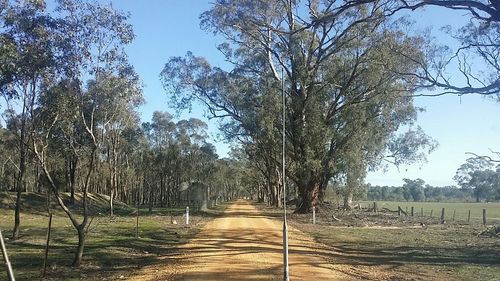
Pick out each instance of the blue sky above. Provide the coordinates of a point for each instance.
(171, 28)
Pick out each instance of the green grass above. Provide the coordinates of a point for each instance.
(111, 249)
(434, 253)
(461, 209)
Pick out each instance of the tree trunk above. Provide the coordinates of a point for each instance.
(348, 200)
(150, 198)
(310, 194)
(17, 213)
(111, 196)
(73, 161)
(162, 186)
(22, 170)
(77, 261)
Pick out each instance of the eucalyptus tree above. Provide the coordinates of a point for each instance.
(162, 139)
(27, 62)
(90, 41)
(480, 175)
(115, 106)
(346, 88)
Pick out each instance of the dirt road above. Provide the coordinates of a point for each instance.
(242, 245)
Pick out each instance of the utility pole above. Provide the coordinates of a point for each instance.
(285, 228)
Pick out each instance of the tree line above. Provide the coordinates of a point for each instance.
(478, 180)
(419, 193)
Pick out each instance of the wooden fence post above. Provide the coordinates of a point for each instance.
(421, 212)
(431, 212)
(399, 211)
(454, 211)
(442, 216)
(375, 207)
(468, 217)
(412, 211)
(484, 216)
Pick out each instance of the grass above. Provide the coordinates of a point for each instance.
(433, 253)
(383, 246)
(111, 249)
(461, 209)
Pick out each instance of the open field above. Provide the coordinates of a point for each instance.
(383, 246)
(461, 209)
(406, 253)
(111, 250)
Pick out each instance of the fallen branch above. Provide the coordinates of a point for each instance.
(335, 218)
(388, 210)
(493, 231)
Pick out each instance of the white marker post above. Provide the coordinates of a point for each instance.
(187, 215)
(314, 215)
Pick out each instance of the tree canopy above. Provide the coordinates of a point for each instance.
(346, 89)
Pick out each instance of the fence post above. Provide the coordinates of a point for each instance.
(10, 273)
(375, 207)
(412, 211)
(454, 211)
(484, 216)
(314, 215)
(442, 216)
(187, 215)
(431, 212)
(399, 211)
(468, 217)
(421, 212)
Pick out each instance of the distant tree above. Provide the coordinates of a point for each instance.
(400, 194)
(478, 174)
(415, 189)
(485, 183)
(463, 174)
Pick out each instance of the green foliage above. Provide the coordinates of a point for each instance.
(477, 174)
(347, 91)
(414, 190)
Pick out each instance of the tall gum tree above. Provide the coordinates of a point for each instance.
(89, 45)
(27, 61)
(346, 94)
